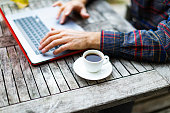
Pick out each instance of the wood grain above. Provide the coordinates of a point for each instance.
(129, 66)
(81, 82)
(59, 77)
(29, 79)
(3, 95)
(8, 77)
(49, 78)
(138, 66)
(19, 79)
(164, 70)
(147, 66)
(5, 29)
(104, 94)
(67, 74)
(42, 86)
(120, 67)
(7, 41)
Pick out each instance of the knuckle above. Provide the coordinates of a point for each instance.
(61, 48)
(54, 42)
(63, 34)
(49, 33)
(48, 40)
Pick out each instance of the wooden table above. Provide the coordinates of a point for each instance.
(54, 87)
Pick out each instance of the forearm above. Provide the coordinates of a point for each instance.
(94, 40)
(139, 44)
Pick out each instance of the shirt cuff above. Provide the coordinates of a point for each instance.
(110, 42)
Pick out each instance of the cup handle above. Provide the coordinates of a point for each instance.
(106, 60)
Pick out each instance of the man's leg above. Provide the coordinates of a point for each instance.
(123, 108)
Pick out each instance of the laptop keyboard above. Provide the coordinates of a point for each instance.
(34, 30)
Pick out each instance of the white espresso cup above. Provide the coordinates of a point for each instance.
(94, 60)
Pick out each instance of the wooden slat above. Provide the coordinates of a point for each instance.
(95, 16)
(164, 70)
(32, 88)
(58, 76)
(99, 96)
(8, 77)
(129, 66)
(120, 67)
(6, 9)
(91, 19)
(49, 78)
(102, 7)
(1, 27)
(3, 95)
(13, 8)
(138, 66)
(42, 86)
(147, 66)
(98, 26)
(20, 83)
(79, 80)
(98, 15)
(7, 41)
(5, 29)
(67, 74)
(115, 74)
(105, 9)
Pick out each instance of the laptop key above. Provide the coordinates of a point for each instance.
(35, 30)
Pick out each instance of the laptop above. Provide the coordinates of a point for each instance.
(30, 27)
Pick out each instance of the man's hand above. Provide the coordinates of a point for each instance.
(70, 40)
(66, 9)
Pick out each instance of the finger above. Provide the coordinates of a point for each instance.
(49, 40)
(53, 44)
(84, 13)
(50, 34)
(61, 49)
(68, 10)
(60, 11)
(58, 3)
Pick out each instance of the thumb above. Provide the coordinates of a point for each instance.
(84, 13)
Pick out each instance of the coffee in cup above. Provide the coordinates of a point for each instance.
(94, 60)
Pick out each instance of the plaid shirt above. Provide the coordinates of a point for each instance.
(151, 44)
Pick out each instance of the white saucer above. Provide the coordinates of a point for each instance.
(80, 70)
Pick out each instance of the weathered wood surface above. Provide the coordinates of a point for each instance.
(55, 85)
(104, 93)
(8, 77)
(3, 94)
(20, 82)
(7, 41)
